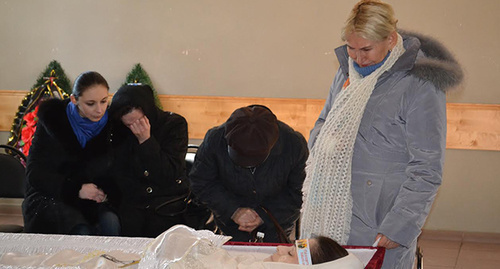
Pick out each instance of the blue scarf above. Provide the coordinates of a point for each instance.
(367, 70)
(84, 128)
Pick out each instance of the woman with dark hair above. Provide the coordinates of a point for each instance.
(150, 146)
(325, 249)
(68, 189)
(321, 249)
(183, 247)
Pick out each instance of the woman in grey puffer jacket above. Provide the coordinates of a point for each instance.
(393, 166)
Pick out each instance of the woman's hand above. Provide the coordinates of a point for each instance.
(141, 129)
(247, 219)
(386, 242)
(90, 191)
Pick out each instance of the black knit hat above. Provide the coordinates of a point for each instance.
(251, 133)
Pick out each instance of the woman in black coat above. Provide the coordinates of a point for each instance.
(150, 146)
(68, 190)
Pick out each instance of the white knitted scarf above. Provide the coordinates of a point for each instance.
(327, 206)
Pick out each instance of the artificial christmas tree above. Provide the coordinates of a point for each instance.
(139, 76)
(52, 83)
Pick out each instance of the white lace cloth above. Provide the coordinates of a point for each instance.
(179, 247)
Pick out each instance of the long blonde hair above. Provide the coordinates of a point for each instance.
(371, 19)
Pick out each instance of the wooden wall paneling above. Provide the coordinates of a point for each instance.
(203, 113)
(9, 104)
(473, 126)
(470, 126)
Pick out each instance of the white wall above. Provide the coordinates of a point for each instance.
(277, 48)
(261, 48)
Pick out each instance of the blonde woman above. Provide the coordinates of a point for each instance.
(377, 148)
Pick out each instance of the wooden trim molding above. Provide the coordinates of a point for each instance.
(9, 104)
(473, 126)
(470, 126)
(205, 112)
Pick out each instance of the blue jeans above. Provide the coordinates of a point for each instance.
(108, 225)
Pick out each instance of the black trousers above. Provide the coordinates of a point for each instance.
(144, 222)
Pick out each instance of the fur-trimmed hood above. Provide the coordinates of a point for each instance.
(435, 63)
(425, 58)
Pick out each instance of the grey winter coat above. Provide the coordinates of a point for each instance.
(399, 150)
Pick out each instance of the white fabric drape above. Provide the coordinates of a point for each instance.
(180, 247)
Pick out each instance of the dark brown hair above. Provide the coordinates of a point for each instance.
(326, 250)
(86, 80)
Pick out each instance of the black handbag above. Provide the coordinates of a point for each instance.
(172, 205)
(194, 214)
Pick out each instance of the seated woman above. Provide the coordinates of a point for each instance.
(68, 190)
(149, 147)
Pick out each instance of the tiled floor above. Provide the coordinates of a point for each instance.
(441, 249)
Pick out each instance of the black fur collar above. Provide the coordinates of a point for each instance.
(52, 117)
